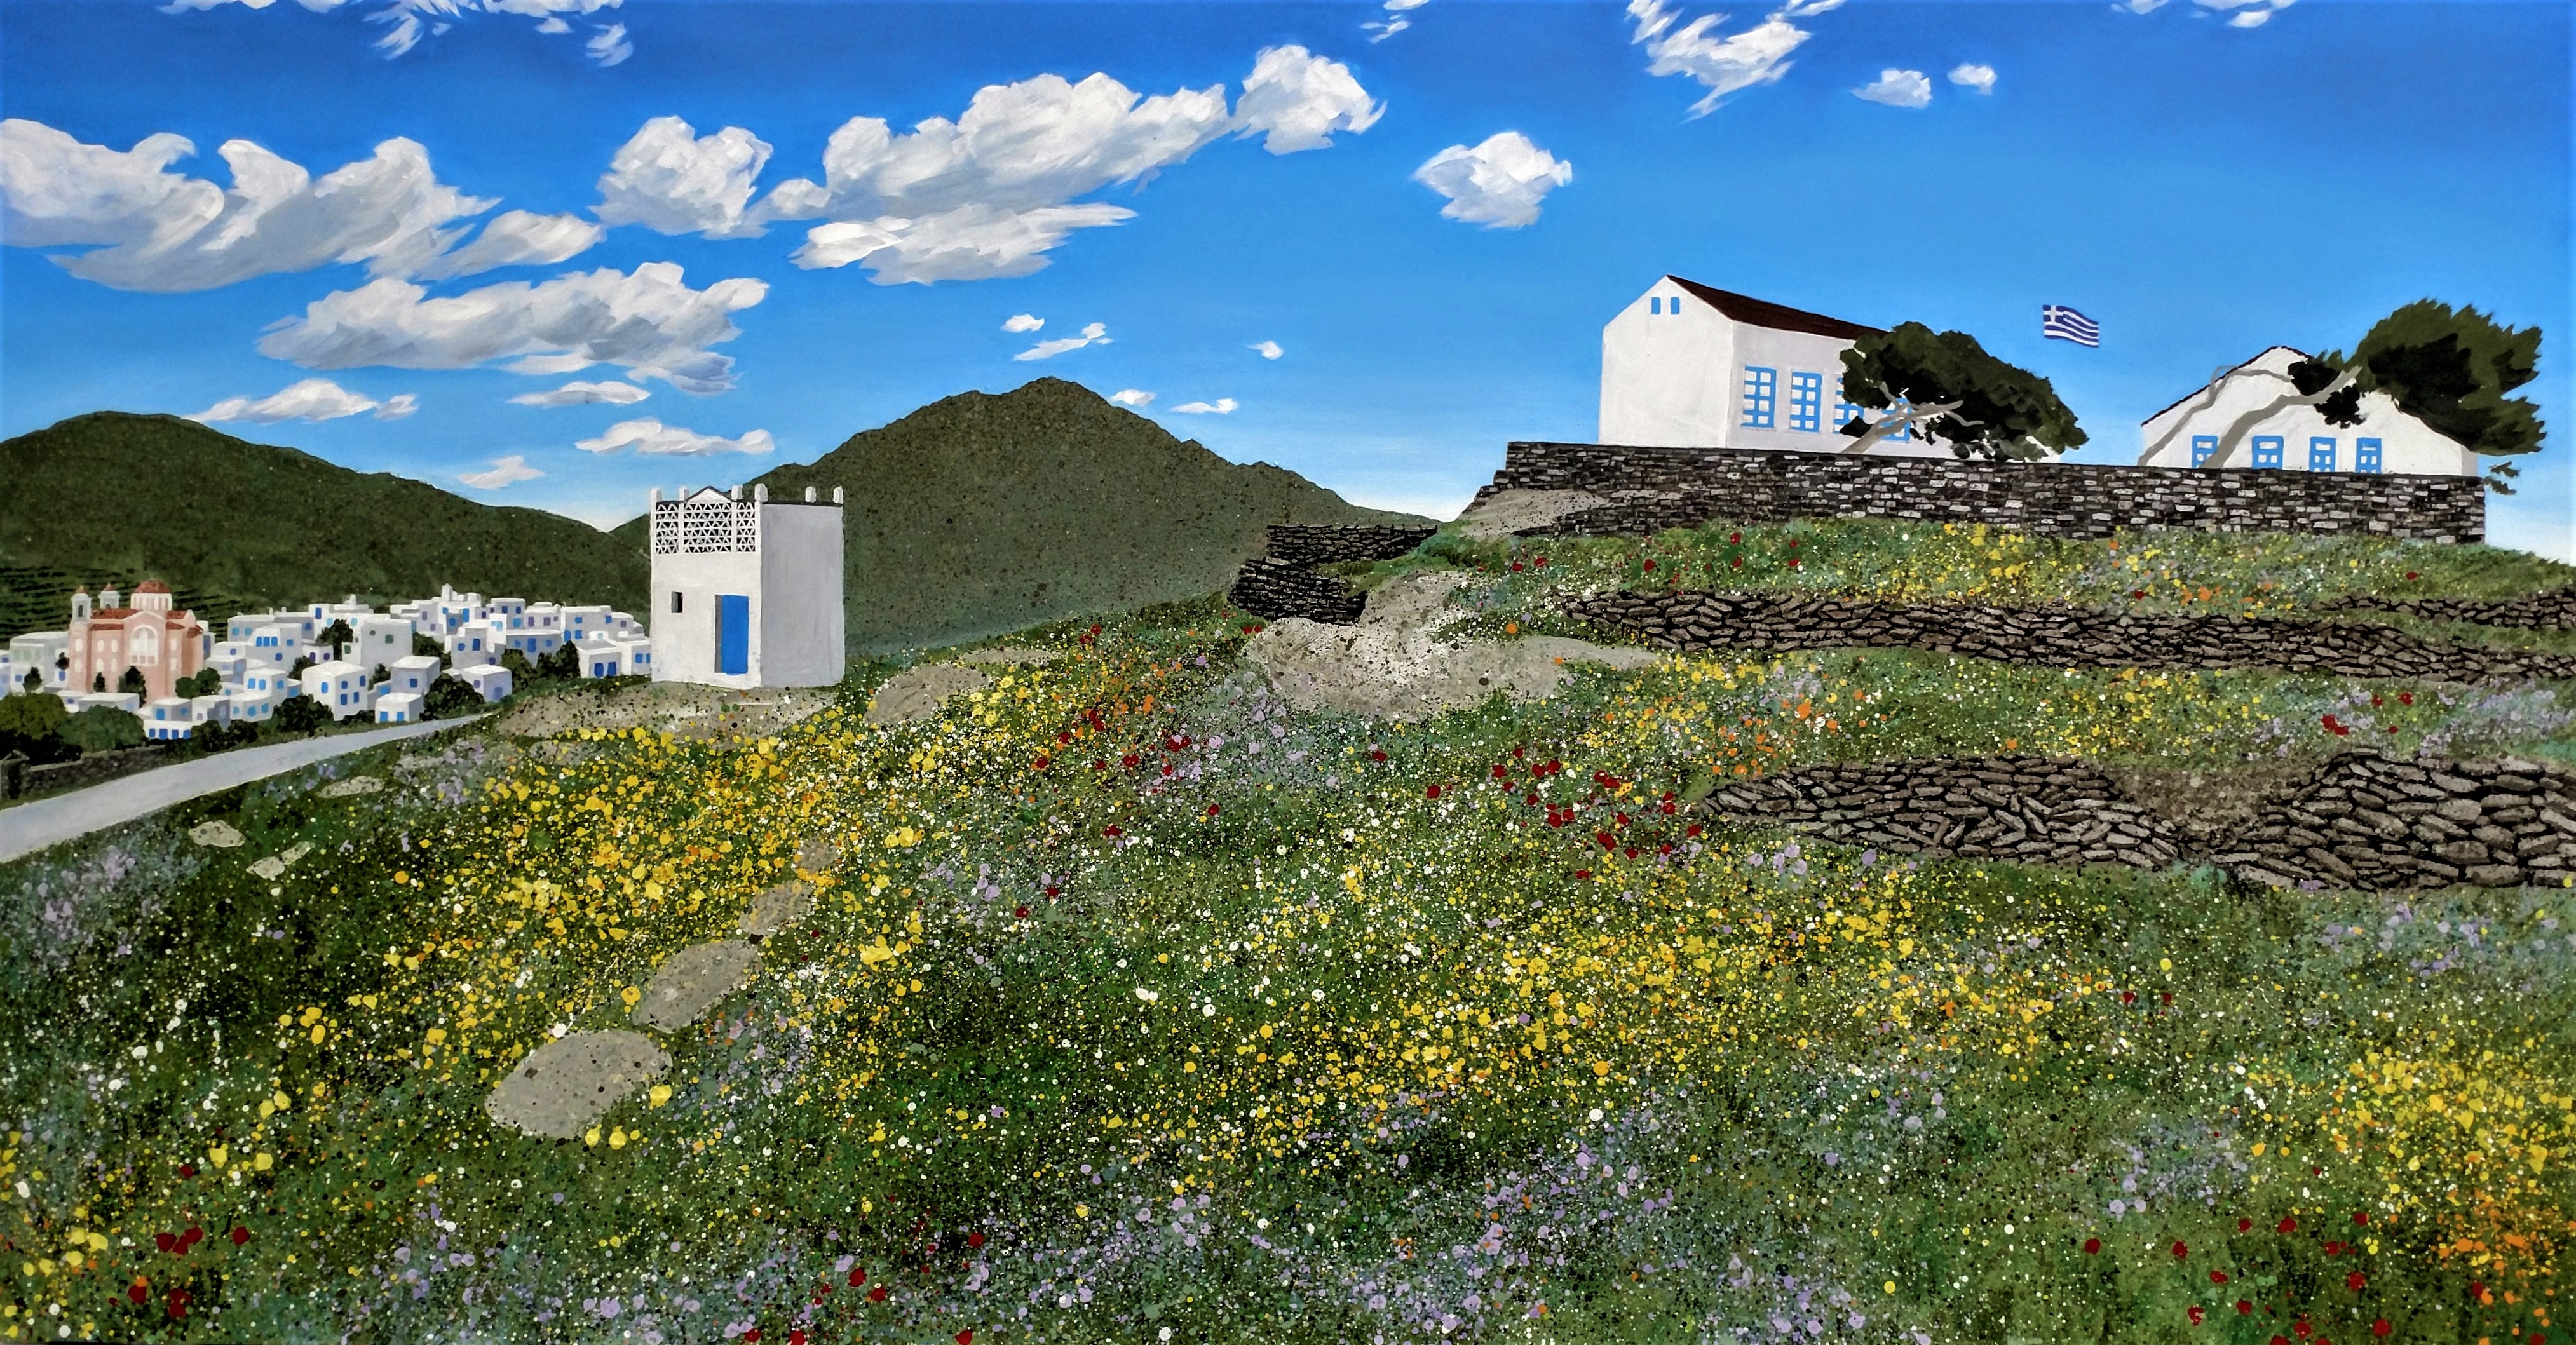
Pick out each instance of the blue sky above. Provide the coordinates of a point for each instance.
(2202, 179)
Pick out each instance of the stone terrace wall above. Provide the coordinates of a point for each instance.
(1272, 589)
(2361, 821)
(2554, 610)
(1326, 543)
(2374, 822)
(1656, 488)
(2023, 808)
(2064, 637)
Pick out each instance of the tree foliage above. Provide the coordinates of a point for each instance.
(338, 635)
(100, 729)
(300, 714)
(2447, 367)
(1945, 386)
(132, 683)
(423, 646)
(32, 715)
(450, 697)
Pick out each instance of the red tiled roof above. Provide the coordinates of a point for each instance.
(152, 586)
(1746, 309)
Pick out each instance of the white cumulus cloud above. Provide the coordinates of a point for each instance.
(992, 192)
(516, 238)
(649, 323)
(1722, 65)
(1132, 397)
(1898, 88)
(671, 180)
(310, 399)
(1097, 334)
(651, 436)
(165, 232)
(1978, 77)
(1497, 184)
(1270, 350)
(1022, 322)
(1222, 406)
(505, 471)
(584, 394)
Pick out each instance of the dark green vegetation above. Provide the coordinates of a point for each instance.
(112, 498)
(985, 513)
(1945, 386)
(2448, 367)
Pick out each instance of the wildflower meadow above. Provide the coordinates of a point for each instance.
(1136, 1005)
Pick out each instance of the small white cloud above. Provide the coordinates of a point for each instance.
(311, 399)
(505, 471)
(1498, 184)
(1806, 9)
(1978, 77)
(649, 323)
(1132, 397)
(608, 45)
(1222, 406)
(1269, 349)
(1299, 99)
(1023, 322)
(584, 394)
(2140, 6)
(517, 238)
(2247, 13)
(1381, 31)
(651, 436)
(672, 180)
(1898, 88)
(554, 26)
(1097, 334)
(1758, 55)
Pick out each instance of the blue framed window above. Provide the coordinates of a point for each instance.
(2203, 448)
(1655, 304)
(1761, 396)
(2267, 450)
(1806, 402)
(2365, 455)
(1845, 410)
(2321, 453)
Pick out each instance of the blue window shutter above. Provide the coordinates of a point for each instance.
(2203, 448)
(2365, 455)
(2267, 450)
(2321, 453)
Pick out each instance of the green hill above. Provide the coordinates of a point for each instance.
(112, 497)
(982, 513)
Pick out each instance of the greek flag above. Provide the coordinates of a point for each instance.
(2058, 322)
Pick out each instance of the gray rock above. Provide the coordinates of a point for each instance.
(776, 909)
(692, 981)
(564, 1085)
(2463, 811)
(219, 835)
(2496, 875)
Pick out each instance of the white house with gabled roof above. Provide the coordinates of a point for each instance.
(2253, 416)
(1689, 366)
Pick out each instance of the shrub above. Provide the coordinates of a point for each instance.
(100, 729)
(300, 714)
(450, 697)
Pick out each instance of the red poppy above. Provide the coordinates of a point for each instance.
(1052, 891)
(1099, 765)
(1793, 562)
(1021, 911)
(1583, 874)
(2128, 996)
(2287, 1226)
(2354, 1281)
(1650, 565)
(1211, 810)
(2410, 574)
(1694, 829)
(165, 1242)
(2374, 702)
(751, 1333)
(2301, 1329)
(2280, 1340)
(187, 1169)
(2334, 1249)
(2244, 1225)
(974, 1239)
(1607, 840)
(858, 1277)
(1112, 832)
(877, 1295)
(1129, 761)
(1043, 762)
(140, 1290)
(1516, 567)
(240, 1235)
(796, 1337)
(2244, 1308)
(2406, 698)
(1540, 563)
(2092, 1246)
(193, 1236)
(1431, 791)
(1735, 537)
(2180, 1251)
(1530, 799)
(2333, 727)
(966, 1337)
(2218, 1277)
(178, 1303)
(2168, 997)
(2196, 1314)
(2381, 1327)
(1736, 564)
(2137, 593)
(2361, 1216)
(1377, 756)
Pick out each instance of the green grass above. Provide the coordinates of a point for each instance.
(1778, 1079)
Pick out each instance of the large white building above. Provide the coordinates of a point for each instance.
(747, 592)
(2253, 416)
(1687, 366)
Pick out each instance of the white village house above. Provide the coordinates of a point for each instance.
(2252, 416)
(746, 592)
(1687, 366)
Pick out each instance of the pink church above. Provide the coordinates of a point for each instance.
(148, 638)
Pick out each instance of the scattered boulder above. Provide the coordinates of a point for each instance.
(818, 856)
(776, 909)
(692, 981)
(1393, 664)
(274, 866)
(564, 1085)
(220, 835)
(916, 693)
(355, 784)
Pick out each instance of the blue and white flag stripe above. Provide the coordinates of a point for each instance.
(2059, 322)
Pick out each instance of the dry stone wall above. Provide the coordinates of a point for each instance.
(2360, 821)
(2067, 637)
(1327, 543)
(2554, 610)
(1655, 488)
(1284, 583)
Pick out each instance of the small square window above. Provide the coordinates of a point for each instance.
(2365, 455)
(2267, 450)
(2203, 448)
(675, 600)
(1655, 304)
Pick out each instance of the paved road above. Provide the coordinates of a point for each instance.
(30, 827)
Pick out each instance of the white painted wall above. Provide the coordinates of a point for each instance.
(1676, 378)
(2247, 403)
(793, 581)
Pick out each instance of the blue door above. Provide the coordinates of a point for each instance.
(733, 633)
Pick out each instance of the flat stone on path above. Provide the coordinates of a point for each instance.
(776, 909)
(818, 856)
(915, 693)
(564, 1085)
(355, 784)
(692, 980)
(218, 834)
(1013, 654)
